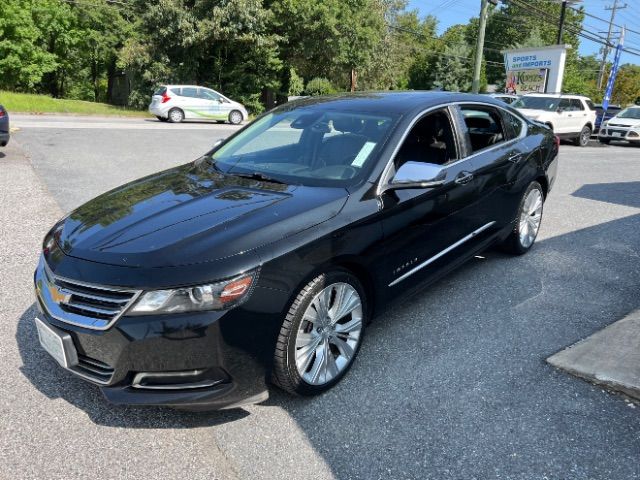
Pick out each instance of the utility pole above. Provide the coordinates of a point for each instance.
(605, 49)
(563, 12)
(477, 66)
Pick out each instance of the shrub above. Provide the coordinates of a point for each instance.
(319, 86)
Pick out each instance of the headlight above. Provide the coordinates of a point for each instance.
(212, 296)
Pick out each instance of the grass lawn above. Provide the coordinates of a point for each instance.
(31, 103)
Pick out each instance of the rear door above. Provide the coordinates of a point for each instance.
(495, 142)
(191, 104)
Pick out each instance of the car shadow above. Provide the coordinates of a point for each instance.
(621, 193)
(54, 382)
(201, 122)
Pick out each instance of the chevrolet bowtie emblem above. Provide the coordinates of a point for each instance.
(57, 296)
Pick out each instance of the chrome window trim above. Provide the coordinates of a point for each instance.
(46, 272)
(441, 254)
(384, 180)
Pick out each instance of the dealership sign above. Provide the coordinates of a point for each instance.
(528, 66)
(526, 81)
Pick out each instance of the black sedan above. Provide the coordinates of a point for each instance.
(264, 260)
(5, 132)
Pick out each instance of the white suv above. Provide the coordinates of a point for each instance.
(176, 103)
(569, 116)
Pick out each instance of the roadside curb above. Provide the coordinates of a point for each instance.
(610, 357)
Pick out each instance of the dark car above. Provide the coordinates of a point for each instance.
(612, 111)
(264, 260)
(5, 132)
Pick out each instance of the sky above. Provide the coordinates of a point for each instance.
(451, 12)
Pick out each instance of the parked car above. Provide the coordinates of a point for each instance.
(176, 103)
(624, 126)
(612, 111)
(505, 97)
(5, 131)
(572, 117)
(266, 258)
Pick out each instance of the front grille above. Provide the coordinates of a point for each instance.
(621, 132)
(93, 369)
(84, 304)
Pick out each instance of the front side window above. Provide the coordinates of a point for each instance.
(209, 95)
(312, 146)
(484, 126)
(431, 140)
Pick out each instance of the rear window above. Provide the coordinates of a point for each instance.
(160, 91)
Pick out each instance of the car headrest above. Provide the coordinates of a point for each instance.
(477, 122)
(347, 124)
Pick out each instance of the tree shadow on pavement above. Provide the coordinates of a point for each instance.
(54, 382)
(453, 383)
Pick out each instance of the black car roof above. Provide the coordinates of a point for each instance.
(398, 102)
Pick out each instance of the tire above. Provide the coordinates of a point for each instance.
(583, 138)
(518, 242)
(606, 141)
(235, 117)
(162, 119)
(175, 115)
(307, 374)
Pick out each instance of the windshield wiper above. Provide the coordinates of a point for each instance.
(258, 176)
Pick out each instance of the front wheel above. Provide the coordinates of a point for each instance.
(583, 138)
(321, 334)
(527, 223)
(235, 117)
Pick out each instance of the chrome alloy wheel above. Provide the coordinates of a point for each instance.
(176, 115)
(530, 217)
(235, 117)
(329, 334)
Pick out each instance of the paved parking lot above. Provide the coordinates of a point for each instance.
(452, 384)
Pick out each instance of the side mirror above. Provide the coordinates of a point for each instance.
(418, 175)
(218, 143)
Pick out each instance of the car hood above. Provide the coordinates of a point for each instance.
(191, 214)
(533, 113)
(624, 122)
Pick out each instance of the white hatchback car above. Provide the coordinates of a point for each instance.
(571, 117)
(175, 103)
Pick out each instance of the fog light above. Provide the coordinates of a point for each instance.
(187, 379)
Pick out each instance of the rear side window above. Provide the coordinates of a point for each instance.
(514, 125)
(189, 92)
(576, 105)
(590, 105)
(484, 126)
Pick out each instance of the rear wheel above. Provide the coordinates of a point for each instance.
(176, 115)
(321, 334)
(527, 223)
(583, 138)
(235, 117)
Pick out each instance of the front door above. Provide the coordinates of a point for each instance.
(422, 226)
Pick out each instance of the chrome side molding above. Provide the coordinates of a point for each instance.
(440, 254)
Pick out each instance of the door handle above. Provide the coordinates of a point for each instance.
(515, 158)
(569, 115)
(463, 178)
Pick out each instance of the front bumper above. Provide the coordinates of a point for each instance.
(203, 360)
(619, 133)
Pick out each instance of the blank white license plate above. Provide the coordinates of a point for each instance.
(616, 134)
(51, 342)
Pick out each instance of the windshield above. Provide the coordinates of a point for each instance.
(537, 103)
(631, 112)
(308, 146)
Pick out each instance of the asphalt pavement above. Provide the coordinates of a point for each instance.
(451, 384)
